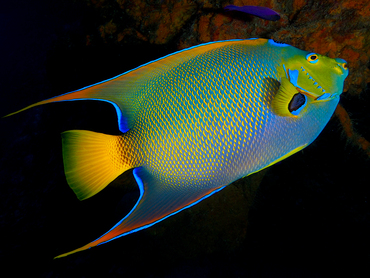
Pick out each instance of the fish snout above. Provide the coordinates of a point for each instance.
(342, 65)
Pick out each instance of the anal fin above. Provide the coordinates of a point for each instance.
(157, 201)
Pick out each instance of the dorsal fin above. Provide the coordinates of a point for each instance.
(127, 91)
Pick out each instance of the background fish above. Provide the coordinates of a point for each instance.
(261, 12)
(199, 119)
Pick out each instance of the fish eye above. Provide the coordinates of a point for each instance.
(344, 65)
(312, 58)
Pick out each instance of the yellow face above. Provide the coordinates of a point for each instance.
(308, 78)
(318, 77)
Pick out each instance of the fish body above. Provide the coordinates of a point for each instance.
(199, 119)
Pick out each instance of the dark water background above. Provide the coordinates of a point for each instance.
(311, 216)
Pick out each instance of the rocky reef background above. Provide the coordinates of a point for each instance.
(308, 216)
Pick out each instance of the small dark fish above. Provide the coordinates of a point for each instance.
(261, 12)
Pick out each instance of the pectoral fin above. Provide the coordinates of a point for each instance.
(289, 100)
(284, 95)
(157, 201)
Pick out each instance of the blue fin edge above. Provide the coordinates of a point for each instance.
(141, 187)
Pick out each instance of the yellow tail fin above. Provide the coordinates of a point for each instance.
(91, 161)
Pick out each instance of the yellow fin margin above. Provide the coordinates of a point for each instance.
(87, 246)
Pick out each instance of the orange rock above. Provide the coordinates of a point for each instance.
(98, 3)
(362, 6)
(163, 33)
(204, 29)
(107, 29)
(349, 54)
(130, 32)
(298, 4)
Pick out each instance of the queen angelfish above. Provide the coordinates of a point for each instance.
(195, 121)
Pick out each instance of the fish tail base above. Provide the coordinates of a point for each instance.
(92, 160)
